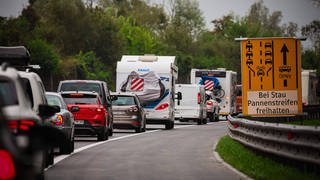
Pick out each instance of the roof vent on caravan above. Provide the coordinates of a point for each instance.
(148, 58)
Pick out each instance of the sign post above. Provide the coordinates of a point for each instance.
(271, 76)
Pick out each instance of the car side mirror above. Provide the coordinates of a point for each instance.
(74, 109)
(46, 111)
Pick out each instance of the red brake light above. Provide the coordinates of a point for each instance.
(133, 109)
(210, 103)
(99, 110)
(76, 95)
(7, 166)
(23, 125)
(162, 106)
(199, 98)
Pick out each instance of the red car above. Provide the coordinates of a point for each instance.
(90, 116)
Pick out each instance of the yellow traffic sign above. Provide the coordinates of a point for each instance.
(271, 76)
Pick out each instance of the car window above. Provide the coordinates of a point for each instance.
(8, 93)
(28, 90)
(81, 86)
(124, 100)
(80, 98)
(54, 101)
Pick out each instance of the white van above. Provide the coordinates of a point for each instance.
(226, 92)
(192, 105)
(310, 81)
(152, 78)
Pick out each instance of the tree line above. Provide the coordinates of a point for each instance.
(79, 39)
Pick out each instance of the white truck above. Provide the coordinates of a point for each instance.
(192, 105)
(310, 86)
(152, 78)
(222, 84)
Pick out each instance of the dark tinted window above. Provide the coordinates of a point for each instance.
(8, 93)
(28, 90)
(124, 100)
(80, 98)
(81, 86)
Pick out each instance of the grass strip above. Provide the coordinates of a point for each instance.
(256, 165)
(308, 122)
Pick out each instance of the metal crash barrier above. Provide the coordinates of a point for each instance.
(290, 141)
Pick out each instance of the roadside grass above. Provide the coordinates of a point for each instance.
(258, 166)
(307, 122)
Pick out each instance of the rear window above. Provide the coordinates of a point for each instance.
(124, 100)
(81, 86)
(80, 98)
(8, 93)
(53, 100)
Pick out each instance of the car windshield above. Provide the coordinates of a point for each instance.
(8, 93)
(123, 101)
(80, 86)
(53, 100)
(79, 98)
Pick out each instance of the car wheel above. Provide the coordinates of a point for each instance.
(138, 129)
(102, 136)
(49, 157)
(169, 125)
(216, 118)
(199, 121)
(68, 148)
(204, 120)
(144, 127)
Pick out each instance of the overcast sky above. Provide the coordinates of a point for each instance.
(298, 11)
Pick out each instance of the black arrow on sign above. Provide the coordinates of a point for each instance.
(284, 51)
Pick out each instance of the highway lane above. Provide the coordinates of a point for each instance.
(181, 153)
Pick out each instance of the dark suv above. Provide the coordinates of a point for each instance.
(99, 87)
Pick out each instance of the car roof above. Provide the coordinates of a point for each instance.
(79, 92)
(83, 81)
(9, 72)
(123, 93)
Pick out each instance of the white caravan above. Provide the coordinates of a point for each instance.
(152, 78)
(310, 81)
(226, 92)
(192, 105)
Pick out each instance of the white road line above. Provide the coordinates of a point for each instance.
(62, 157)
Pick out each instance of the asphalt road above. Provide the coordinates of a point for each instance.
(184, 153)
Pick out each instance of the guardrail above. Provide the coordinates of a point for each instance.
(290, 141)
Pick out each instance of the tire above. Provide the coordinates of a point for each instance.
(49, 157)
(216, 118)
(199, 121)
(144, 127)
(169, 125)
(103, 135)
(204, 121)
(68, 148)
(110, 131)
(138, 129)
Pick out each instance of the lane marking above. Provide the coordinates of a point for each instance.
(62, 157)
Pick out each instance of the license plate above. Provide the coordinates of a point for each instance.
(79, 122)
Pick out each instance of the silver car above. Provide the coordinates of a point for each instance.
(128, 112)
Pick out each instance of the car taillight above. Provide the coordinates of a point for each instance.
(59, 120)
(199, 98)
(23, 125)
(162, 106)
(133, 109)
(7, 170)
(210, 103)
(99, 109)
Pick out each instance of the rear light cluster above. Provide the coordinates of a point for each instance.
(199, 98)
(7, 170)
(23, 125)
(210, 103)
(133, 109)
(162, 106)
(58, 120)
